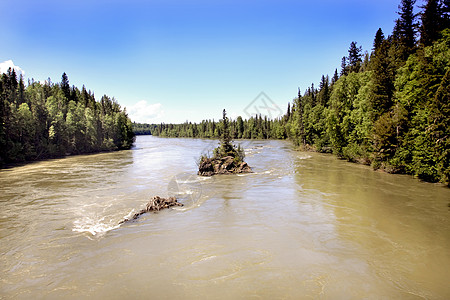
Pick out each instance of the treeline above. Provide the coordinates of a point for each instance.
(389, 108)
(255, 127)
(50, 120)
(143, 128)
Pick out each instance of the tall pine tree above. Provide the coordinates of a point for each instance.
(379, 38)
(432, 22)
(354, 57)
(405, 30)
(65, 87)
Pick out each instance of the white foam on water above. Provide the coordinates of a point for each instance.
(247, 174)
(304, 157)
(204, 177)
(186, 181)
(130, 214)
(185, 192)
(94, 227)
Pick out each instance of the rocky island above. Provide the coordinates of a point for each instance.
(227, 158)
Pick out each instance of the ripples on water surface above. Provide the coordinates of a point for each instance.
(304, 225)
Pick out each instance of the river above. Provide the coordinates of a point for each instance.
(302, 226)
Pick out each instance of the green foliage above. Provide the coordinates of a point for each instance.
(391, 111)
(142, 128)
(253, 128)
(395, 115)
(51, 120)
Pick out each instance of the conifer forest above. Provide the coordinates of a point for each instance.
(388, 107)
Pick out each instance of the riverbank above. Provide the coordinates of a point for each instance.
(380, 167)
(49, 158)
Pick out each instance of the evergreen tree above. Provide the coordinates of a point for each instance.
(335, 77)
(324, 93)
(288, 113)
(354, 57)
(313, 93)
(74, 93)
(21, 91)
(405, 29)
(240, 127)
(379, 38)
(383, 80)
(225, 138)
(344, 67)
(11, 86)
(432, 22)
(65, 87)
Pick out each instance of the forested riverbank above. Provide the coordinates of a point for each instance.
(46, 120)
(388, 108)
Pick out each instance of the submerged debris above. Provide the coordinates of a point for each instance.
(155, 204)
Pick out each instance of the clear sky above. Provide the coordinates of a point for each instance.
(172, 60)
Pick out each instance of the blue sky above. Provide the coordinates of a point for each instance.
(172, 61)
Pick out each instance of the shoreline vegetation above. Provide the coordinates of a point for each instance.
(54, 120)
(388, 108)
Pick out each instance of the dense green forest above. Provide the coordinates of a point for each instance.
(255, 127)
(142, 128)
(389, 108)
(51, 120)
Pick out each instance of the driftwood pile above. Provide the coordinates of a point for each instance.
(155, 204)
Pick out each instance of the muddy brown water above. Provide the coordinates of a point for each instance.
(304, 225)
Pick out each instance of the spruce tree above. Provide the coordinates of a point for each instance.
(383, 80)
(225, 139)
(11, 86)
(406, 28)
(288, 113)
(65, 87)
(324, 93)
(344, 67)
(21, 91)
(432, 22)
(379, 38)
(354, 57)
(335, 77)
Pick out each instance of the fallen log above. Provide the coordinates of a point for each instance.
(155, 204)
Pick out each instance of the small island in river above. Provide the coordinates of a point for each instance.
(227, 158)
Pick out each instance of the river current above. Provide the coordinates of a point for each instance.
(302, 226)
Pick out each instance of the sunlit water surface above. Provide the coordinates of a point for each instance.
(304, 225)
